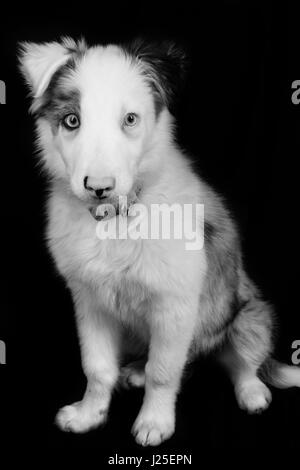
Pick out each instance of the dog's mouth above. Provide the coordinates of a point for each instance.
(115, 205)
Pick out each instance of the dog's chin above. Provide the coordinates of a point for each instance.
(105, 208)
(113, 206)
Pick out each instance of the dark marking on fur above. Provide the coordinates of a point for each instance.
(164, 66)
(209, 231)
(220, 301)
(78, 49)
(236, 307)
(59, 100)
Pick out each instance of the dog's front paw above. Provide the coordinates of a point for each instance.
(152, 429)
(80, 417)
(253, 396)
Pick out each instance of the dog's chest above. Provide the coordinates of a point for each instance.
(114, 269)
(129, 276)
(127, 298)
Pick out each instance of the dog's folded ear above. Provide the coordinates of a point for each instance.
(165, 65)
(39, 62)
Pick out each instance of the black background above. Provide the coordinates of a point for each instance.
(237, 120)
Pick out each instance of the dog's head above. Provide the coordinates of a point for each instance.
(101, 110)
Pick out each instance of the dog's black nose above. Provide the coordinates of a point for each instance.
(99, 193)
(101, 187)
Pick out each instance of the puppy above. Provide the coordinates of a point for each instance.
(105, 130)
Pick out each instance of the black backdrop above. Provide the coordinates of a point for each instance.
(237, 120)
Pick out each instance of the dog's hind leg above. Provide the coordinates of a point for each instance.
(248, 347)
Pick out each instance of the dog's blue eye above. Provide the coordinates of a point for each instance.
(130, 120)
(71, 122)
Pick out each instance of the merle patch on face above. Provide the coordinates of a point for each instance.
(164, 65)
(59, 99)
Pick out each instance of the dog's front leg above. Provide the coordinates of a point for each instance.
(99, 341)
(172, 328)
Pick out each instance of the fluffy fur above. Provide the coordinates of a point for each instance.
(149, 299)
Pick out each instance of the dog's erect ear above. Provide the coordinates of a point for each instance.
(165, 65)
(38, 62)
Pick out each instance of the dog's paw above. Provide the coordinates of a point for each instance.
(253, 396)
(132, 376)
(152, 430)
(79, 418)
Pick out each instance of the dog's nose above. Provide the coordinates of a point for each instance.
(100, 187)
